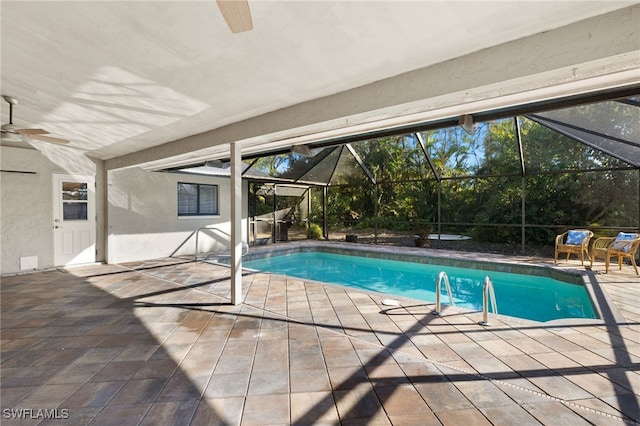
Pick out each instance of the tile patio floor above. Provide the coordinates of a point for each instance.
(158, 343)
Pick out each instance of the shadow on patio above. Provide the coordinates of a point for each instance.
(158, 343)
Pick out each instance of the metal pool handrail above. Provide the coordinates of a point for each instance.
(487, 291)
(442, 276)
(245, 246)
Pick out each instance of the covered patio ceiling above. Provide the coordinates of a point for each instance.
(165, 83)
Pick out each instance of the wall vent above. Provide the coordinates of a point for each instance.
(29, 263)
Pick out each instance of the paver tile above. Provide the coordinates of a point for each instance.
(358, 402)
(469, 416)
(309, 380)
(222, 411)
(176, 413)
(554, 413)
(227, 385)
(313, 408)
(401, 399)
(266, 409)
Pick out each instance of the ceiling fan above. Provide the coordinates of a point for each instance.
(13, 134)
(237, 14)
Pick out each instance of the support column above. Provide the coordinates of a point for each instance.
(523, 220)
(439, 210)
(523, 194)
(309, 211)
(376, 201)
(274, 216)
(107, 241)
(236, 224)
(325, 210)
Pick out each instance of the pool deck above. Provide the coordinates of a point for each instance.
(158, 343)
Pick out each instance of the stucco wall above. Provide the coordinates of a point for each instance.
(143, 222)
(26, 210)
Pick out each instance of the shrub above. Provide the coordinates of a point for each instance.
(315, 231)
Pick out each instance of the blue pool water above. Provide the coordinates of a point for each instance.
(523, 296)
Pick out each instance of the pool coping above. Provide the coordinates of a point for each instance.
(602, 303)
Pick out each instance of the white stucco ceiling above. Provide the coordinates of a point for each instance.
(118, 77)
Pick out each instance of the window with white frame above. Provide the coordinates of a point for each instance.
(195, 199)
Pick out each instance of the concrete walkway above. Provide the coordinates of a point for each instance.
(158, 343)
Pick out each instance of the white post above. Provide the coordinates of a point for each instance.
(236, 224)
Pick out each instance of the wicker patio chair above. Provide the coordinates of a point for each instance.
(625, 245)
(575, 241)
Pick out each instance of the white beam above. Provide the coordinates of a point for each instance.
(236, 224)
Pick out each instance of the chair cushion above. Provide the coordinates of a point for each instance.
(620, 243)
(575, 238)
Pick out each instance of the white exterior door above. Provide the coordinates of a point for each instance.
(74, 227)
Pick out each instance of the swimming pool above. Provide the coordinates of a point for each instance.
(531, 297)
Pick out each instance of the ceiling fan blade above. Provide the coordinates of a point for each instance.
(237, 14)
(29, 132)
(48, 139)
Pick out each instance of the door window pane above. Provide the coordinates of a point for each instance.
(74, 211)
(74, 190)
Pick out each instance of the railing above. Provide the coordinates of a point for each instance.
(442, 276)
(487, 292)
(245, 246)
